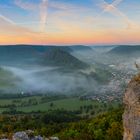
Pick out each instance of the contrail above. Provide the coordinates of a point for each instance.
(124, 17)
(117, 2)
(113, 10)
(109, 7)
(43, 6)
(43, 14)
(7, 19)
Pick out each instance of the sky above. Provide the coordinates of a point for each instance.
(62, 22)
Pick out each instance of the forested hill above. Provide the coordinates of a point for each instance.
(125, 49)
(58, 57)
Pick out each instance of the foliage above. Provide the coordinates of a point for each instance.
(66, 125)
(107, 126)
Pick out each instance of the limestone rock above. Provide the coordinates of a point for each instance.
(29, 135)
(131, 116)
(20, 136)
(54, 138)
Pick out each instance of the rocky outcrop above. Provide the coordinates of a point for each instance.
(131, 116)
(20, 136)
(29, 135)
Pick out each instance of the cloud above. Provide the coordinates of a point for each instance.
(25, 5)
(13, 33)
(11, 28)
(117, 2)
(6, 19)
(63, 6)
(42, 7)
(43, 14)
(68, 24)
(111, 8)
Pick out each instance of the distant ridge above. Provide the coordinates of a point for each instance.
(46, 47)
(32, 53)
(125, 49)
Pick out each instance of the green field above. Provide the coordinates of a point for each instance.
(70, 104)
(67, 104)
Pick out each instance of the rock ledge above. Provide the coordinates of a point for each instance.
(131, 116)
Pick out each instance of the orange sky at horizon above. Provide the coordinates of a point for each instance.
(102, 37)
(67, 25)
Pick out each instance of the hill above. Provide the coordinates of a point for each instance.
(30, 54)
(80, 48)
(8, 81)
(125, 50)
(58, 57)
(18, 54)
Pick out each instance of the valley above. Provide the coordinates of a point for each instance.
(57, 90)
(44, 103)
(64, 69)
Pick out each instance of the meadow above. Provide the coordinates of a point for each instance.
(42, 103)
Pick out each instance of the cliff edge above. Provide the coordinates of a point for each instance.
(131, 116)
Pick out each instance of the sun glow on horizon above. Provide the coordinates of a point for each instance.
(69, 22)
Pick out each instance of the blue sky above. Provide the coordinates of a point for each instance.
(70, 21)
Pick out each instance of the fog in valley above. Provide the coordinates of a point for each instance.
(98, 69)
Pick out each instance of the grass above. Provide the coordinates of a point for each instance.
(11, 101)
(70, 104)
(67, 104)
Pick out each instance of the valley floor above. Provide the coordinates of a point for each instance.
(68, 118)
